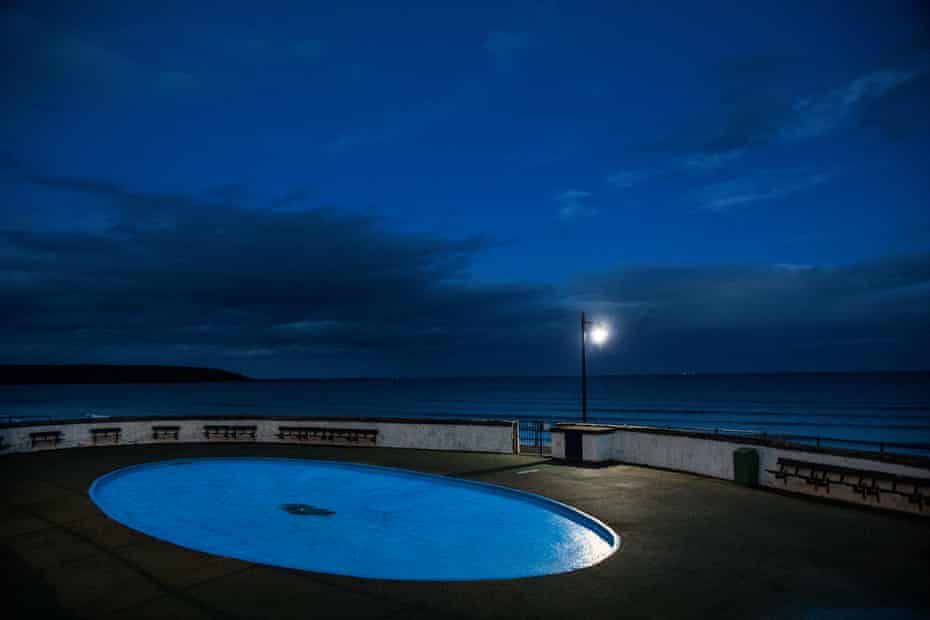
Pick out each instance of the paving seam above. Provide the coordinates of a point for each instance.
(400, 604)
(157, 596)
(24, 509)
(140, 605)
(4, 539)
(217, 613)
(58, 485)
(59, 525)
(142, 572)
(147, 601)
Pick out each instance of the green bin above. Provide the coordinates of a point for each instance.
(746, 467)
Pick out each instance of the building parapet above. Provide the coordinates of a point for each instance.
(712, 455)
(500, 436)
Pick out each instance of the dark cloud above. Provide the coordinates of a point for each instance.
(753, 101)
(169, 278)
(761, 186)
(900, 114)
(176, 271)
(762, 101)
(294, 198)
(43, 59)
(871, 315)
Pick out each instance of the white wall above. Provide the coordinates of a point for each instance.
(460, 435)
(714, 458)
(558, 445)
(596, 447)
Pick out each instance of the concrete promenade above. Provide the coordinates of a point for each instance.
(692, 547)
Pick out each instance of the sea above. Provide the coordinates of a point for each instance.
(853, 409)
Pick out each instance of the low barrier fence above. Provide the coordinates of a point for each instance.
(535, 436)
(500, 436)
(881, 478)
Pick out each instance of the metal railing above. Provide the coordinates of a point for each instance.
(10, 419)
(819, 441)
(833, 442)
(535, 436)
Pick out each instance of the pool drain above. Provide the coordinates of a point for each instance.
(306, 510)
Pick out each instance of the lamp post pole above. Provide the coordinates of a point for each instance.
(584, 371)
(599, 336)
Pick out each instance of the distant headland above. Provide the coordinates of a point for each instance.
(13, 374)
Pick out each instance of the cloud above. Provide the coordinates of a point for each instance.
(199, 280)
(763, 186)
(299, 197)
(708, 162)
(414, 119)
(753, 118)
(40, 53)
(504, 46)
(900, 113)
(574, 204)
(628, 178)
(699, 163)
(869, 315)
(43, 56)
(172, 278)
(759, 107)
(765, 295)
(819, 115)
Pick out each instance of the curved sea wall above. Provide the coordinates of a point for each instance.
(430, 434)
(712, 455)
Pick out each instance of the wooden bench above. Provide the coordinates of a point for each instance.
(328, 434)
(862, 481)
(224, 431)
(165, 432)
(45, 437)
(107, 435)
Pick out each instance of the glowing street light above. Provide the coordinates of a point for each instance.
(599, 336)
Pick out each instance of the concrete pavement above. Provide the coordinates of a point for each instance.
(692, 547)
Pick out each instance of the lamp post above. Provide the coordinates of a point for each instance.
(599, 336)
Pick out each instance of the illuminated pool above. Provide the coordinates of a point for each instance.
(350, 519)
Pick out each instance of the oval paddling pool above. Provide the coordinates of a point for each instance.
(349, 519)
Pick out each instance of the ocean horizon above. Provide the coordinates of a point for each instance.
(889, 407)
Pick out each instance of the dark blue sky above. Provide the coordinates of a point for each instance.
(414, 189)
